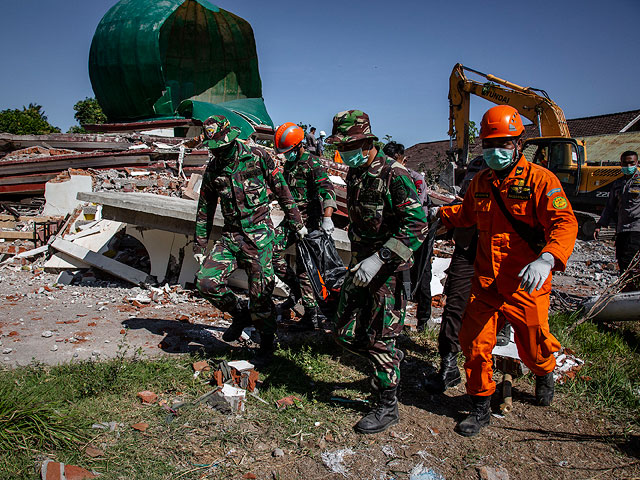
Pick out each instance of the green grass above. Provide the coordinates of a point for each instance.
(611, 362)
(70, 398)
(51, 409)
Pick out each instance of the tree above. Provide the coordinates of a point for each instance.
(88, 111)
(30, 120)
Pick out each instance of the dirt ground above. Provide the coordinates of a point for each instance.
(42, 322)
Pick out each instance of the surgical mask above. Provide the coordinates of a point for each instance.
(353, 158)
(291, 155)
(629, 170)
(497, 158)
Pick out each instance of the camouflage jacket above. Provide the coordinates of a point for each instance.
(240, 183)
(384, 210)
(310, 186)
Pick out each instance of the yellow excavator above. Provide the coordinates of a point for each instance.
(586, 186)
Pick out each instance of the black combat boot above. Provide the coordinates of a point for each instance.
(544, 389)
(384, 413)
(241, 320)
(309, 320)
(265, 352)
(447, 377)
(479, 416)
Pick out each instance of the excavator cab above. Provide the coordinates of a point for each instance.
(563, 156)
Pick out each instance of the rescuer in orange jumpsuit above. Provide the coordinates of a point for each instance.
(512, 280)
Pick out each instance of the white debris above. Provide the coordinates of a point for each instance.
(334, 461)
(47, 334)
(567, 365)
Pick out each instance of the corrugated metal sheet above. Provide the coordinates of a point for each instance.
(147, 56)
(607, 148)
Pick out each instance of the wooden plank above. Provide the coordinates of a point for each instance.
(106, 264)
(16, 235)
(23, 218)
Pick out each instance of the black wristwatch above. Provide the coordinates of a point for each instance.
(385, 254)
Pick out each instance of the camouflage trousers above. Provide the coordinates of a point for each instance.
(369, 319)
(235, 250)
(298, 281)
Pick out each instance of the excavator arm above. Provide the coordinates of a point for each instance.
(532, 103)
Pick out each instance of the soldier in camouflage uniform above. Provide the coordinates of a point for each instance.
(386, 225)
(238, 176)
(315, 197)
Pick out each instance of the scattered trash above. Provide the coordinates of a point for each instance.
(567, 366)
(240, 374)
(47, 334)
(334, 461)
(490, 473)
(350, 401)
(234, 396)
(201, 366)
(388, 450)
(420, 472)
(50, 470)
(93, 452)
(141, 427)
(147, 397)
(289, 401)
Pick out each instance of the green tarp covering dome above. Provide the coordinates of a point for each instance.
(149, 56)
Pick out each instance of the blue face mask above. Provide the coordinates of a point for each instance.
(497, 158)
(353, 158)
(629, 170)
(291, 155)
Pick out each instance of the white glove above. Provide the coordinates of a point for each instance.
(366, 270)
(433, 212)
(535, 274)
(199, 258)
(327, 225)
(302, 233)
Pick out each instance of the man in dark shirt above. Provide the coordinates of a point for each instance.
(623, 206)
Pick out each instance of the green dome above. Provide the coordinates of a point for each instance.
(148, 56)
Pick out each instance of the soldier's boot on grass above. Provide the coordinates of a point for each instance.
(544, 389)
(284, 309)
(447, 377)
(265, 353)
(479, 416)
(383, 415)
(241, 320)
(309, 320)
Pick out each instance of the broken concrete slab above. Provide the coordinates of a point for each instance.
(60, 193)
(96, 242)
(107, 264)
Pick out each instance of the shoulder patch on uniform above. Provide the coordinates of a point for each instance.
(560, 203)
(482, 195)
(519, 170)
(552, 191)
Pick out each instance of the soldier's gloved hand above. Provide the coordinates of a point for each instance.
(302, 233)
(327, 225)
(366, 270)
(433, 212)
(535, 274)
(199, 258)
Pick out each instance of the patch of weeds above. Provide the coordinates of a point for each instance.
(610, 376)
(32, 421)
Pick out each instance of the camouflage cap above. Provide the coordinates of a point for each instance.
(218, 131)
(349, 126)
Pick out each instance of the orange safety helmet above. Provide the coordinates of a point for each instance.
(501, 121)
(288, 136)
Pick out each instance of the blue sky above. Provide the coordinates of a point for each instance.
(390, 59)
